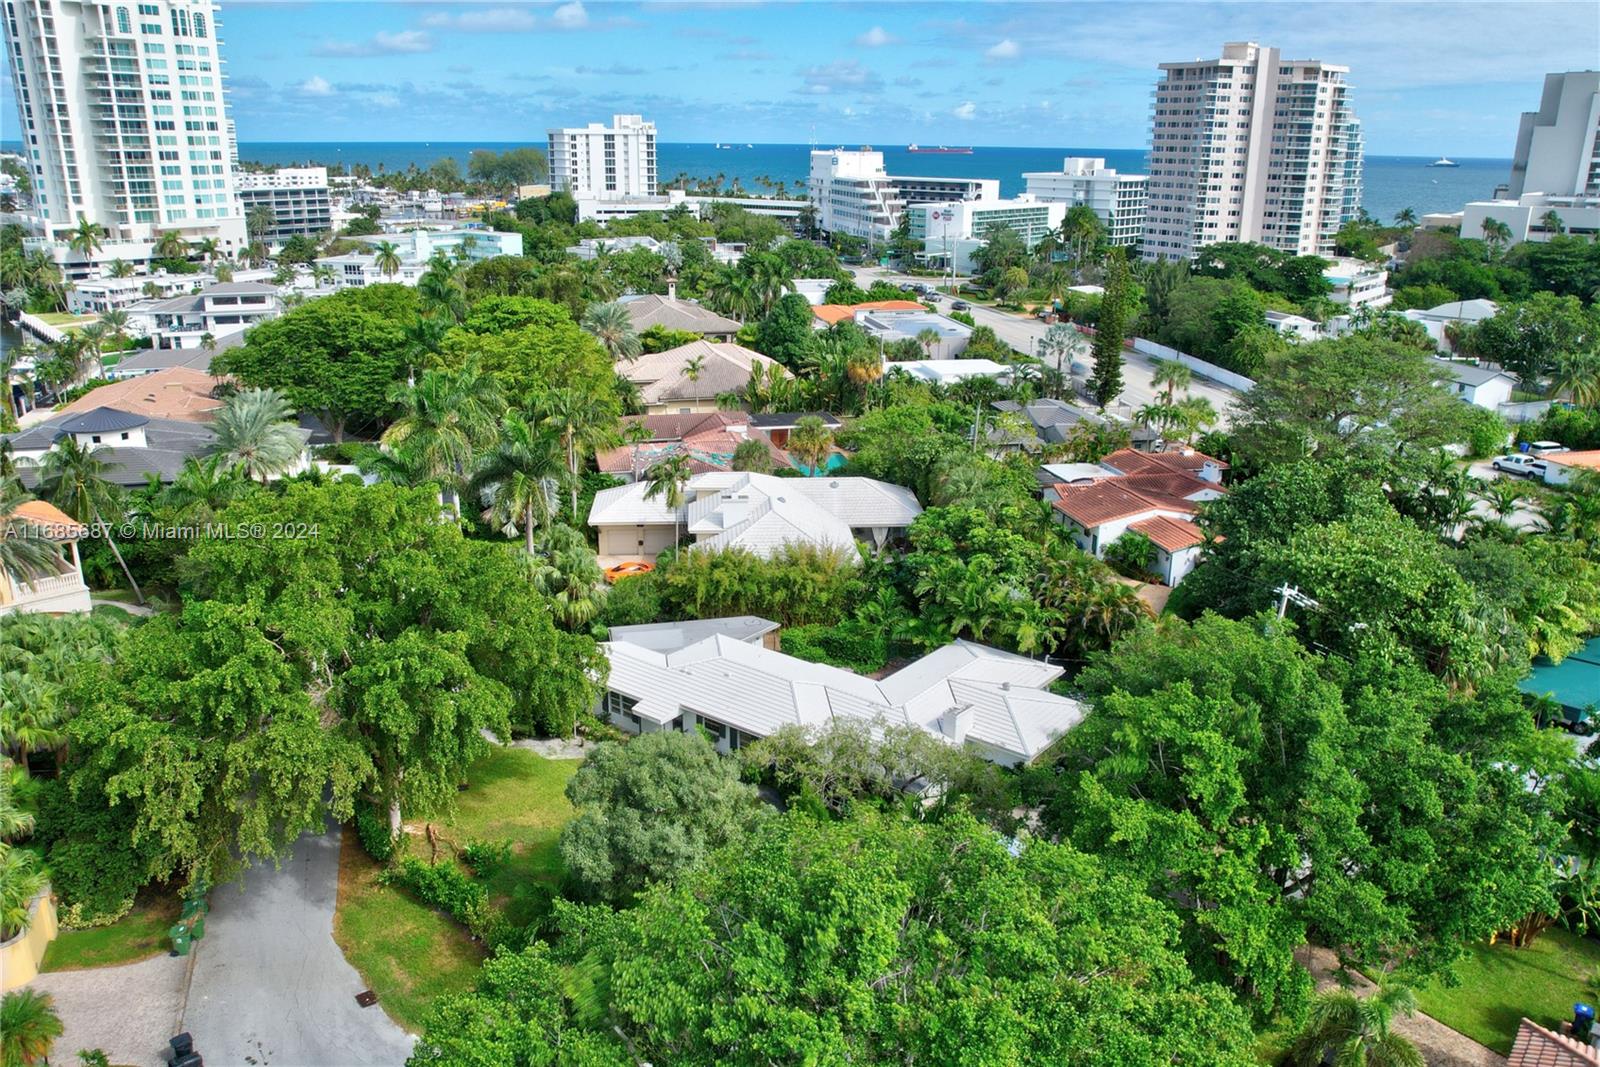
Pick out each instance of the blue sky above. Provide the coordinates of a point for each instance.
(1429, 77)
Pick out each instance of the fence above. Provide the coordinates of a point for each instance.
(1202, 369)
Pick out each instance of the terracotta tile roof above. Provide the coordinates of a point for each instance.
(58, 523)
(708, 439)
(1538, 1047)
(181, 393)
(1172, 488)
(1131, 461)
(836, 313)
(1107, 501)
(1589, 459)
(1171, 535)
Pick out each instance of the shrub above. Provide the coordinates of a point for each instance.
(372, 827)
(1133, 555)
(849, 645)
(486, 857)
(446, 887)
(1487, 433)
(964, 318)
(633, 601)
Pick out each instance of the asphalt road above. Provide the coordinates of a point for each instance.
(1023, 333)
(270, 988)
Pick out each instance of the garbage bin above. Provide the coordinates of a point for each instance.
(1582, 1021)
(197, 927)
(179, 933)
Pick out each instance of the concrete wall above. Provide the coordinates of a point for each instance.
(20, 957)
(1202, 369)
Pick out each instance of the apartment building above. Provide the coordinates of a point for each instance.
(952, 232)
(123, 117)
(605, 162)
(853, 193)
(1117, 199)
(1251, 146)
(297, 197)
(1555, 169)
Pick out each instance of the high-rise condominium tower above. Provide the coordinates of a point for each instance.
(1251, 147)
(124, 119)
(608, 162)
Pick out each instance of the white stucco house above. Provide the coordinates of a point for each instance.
(1457, 313)
(759, 513)
(995, 703)
(1156, 494)
(1484, 387)
(57, 587)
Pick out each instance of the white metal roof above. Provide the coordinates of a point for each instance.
(962, 692)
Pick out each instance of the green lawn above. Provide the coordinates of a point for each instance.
(140, 934)
(516, 796)
(409, 953)
(59, 319)
(1500, 984)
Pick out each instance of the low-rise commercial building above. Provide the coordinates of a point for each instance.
(1118, 200)
(1534, 217)
(952, 233)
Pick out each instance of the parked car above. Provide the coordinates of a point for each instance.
(1547, 446)
(907, 287)
(1519, 464)
(629, 569)
(960, 305)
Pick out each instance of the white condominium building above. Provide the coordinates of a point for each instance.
(1118, 199)
(1558, 146)
(853, 194)
(297, 197)
(1251, 147)
(124, 118)
(607, 162)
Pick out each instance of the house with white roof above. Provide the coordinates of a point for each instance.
(1483, 386)
(995, 703)
(1457, 314)
(759, 513)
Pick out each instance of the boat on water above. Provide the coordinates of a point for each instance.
(942, 150)
(1444, 161)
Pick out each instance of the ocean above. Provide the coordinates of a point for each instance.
(1392, 182)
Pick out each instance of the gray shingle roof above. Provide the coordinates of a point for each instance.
(673, 314)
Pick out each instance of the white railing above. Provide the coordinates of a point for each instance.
(42, 587)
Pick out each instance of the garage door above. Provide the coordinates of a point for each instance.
(635, 542)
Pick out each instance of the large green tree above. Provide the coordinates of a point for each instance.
(650, 811)
(336, 356)
(869, 941)
(1268, 795)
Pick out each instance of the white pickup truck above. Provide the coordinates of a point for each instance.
(1520, 464)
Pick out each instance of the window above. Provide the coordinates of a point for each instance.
(620, 705)
(199, 25)
(124, 22)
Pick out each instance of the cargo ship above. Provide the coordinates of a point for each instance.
(940, 151)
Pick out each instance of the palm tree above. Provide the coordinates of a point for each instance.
(1502, 497)
(928, 338)
(91, 339)
(171, 245)
(1496, 233)
(204, 487)
(120, 268)
(1551, 222)
(732, 292)
(260, 219)
(1356, 1030)
(386, 257)
(811, 442)
(255, 253)
(223, 273)
(443, 420)
(115, 323)
(1169, 375)
(523, 472)
(1195, 413)
(693, 366)
(441, 289)
(1578, 376)
(29, 1026)
(583, 423)
(1406, 217)
(86, 238)
(208, 249)
(668, 478)
(25, 551)
(74, 480)
(570, 577)
(256, 432)
(610, 325)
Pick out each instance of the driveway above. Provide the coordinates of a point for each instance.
(1023, 333)
(127, 1012)
(271, 989)
(1525, 518)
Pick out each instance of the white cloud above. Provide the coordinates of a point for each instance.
(966, 111)
(487, 20)
(845, 75)
(382, 43)
(1006, 49)
(316, 85)
(571, 16)
(876, 37)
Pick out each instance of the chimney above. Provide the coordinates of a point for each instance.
(957, 722)
(672, 288)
